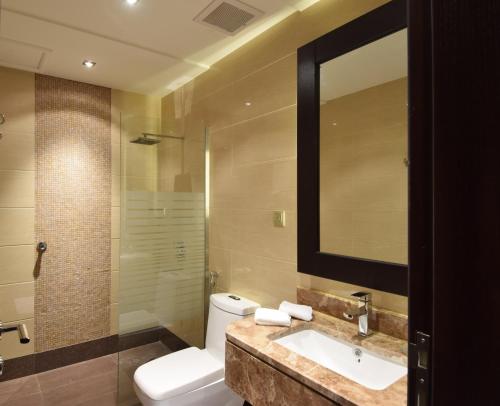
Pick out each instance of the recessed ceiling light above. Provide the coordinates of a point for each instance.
(248, 104)
(132, 2)
(88, 63)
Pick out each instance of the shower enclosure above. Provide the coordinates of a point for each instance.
(162, 276)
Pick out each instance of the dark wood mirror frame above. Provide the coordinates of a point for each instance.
(384, 276)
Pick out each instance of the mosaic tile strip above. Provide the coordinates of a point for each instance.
(72, 211)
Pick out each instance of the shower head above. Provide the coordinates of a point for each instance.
(146, 139)
(153, 139)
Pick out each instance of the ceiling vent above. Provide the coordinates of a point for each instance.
(228, 16)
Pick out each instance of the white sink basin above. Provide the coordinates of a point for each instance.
(351, 361)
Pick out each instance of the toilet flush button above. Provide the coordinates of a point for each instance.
(234, 297)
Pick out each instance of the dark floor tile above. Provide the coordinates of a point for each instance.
(18, 367)
(70, 355)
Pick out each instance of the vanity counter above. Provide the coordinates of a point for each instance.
(257, 342)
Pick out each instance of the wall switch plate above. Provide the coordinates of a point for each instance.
(279, 218)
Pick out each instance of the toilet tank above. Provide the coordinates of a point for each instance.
(224, 309)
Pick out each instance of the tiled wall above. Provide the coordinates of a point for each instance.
(17, 202)
(72, 211)
(248, 102)
(363, 176)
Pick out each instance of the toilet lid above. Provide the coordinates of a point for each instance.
(178, 373)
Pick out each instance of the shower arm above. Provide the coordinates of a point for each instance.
(162, 136)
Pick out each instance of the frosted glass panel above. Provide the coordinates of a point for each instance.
(163, 262)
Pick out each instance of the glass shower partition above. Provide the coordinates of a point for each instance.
(162, 304)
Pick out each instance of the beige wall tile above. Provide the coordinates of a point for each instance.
(252, 232)
(269, 89)
(16, 301)
(17, 150)
(140, 160)
(17, 264)
(265, 138)
(115, 190)
(264, 280)
(136, 184)
(269, 185)
(10, 346)
(17, 226)
(115, 286)
(115, 222)
(114, 318)
(135, 103)
(220, 262)
(213, 79)
(115, 254)
(18, 101)
(115, 159)
(17, 188)
(115, 120)
(218, 110)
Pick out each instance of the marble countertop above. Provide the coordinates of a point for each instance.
(258, 341)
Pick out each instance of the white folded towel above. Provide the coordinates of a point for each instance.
(271, 317)
(302, 312)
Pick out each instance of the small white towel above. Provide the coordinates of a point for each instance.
(271, 317)
(302, 312)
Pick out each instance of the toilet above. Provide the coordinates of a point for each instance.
(192, 376)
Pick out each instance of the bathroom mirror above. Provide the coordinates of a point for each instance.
(352, 152)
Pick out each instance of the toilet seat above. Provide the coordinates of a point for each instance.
(173, 374)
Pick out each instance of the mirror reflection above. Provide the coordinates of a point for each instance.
(363, 152)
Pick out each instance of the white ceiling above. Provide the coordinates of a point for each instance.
(151, 48)
(378, 62)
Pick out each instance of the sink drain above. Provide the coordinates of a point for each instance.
(358, 354)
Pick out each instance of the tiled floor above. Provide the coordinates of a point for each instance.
(89, 383)
(129, 361)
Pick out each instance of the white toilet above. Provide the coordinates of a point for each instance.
(193, 376)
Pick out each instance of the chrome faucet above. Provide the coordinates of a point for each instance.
(19, 327)
(23, 337)
(361, 311)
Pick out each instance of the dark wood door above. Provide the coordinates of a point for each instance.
(455, 197)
